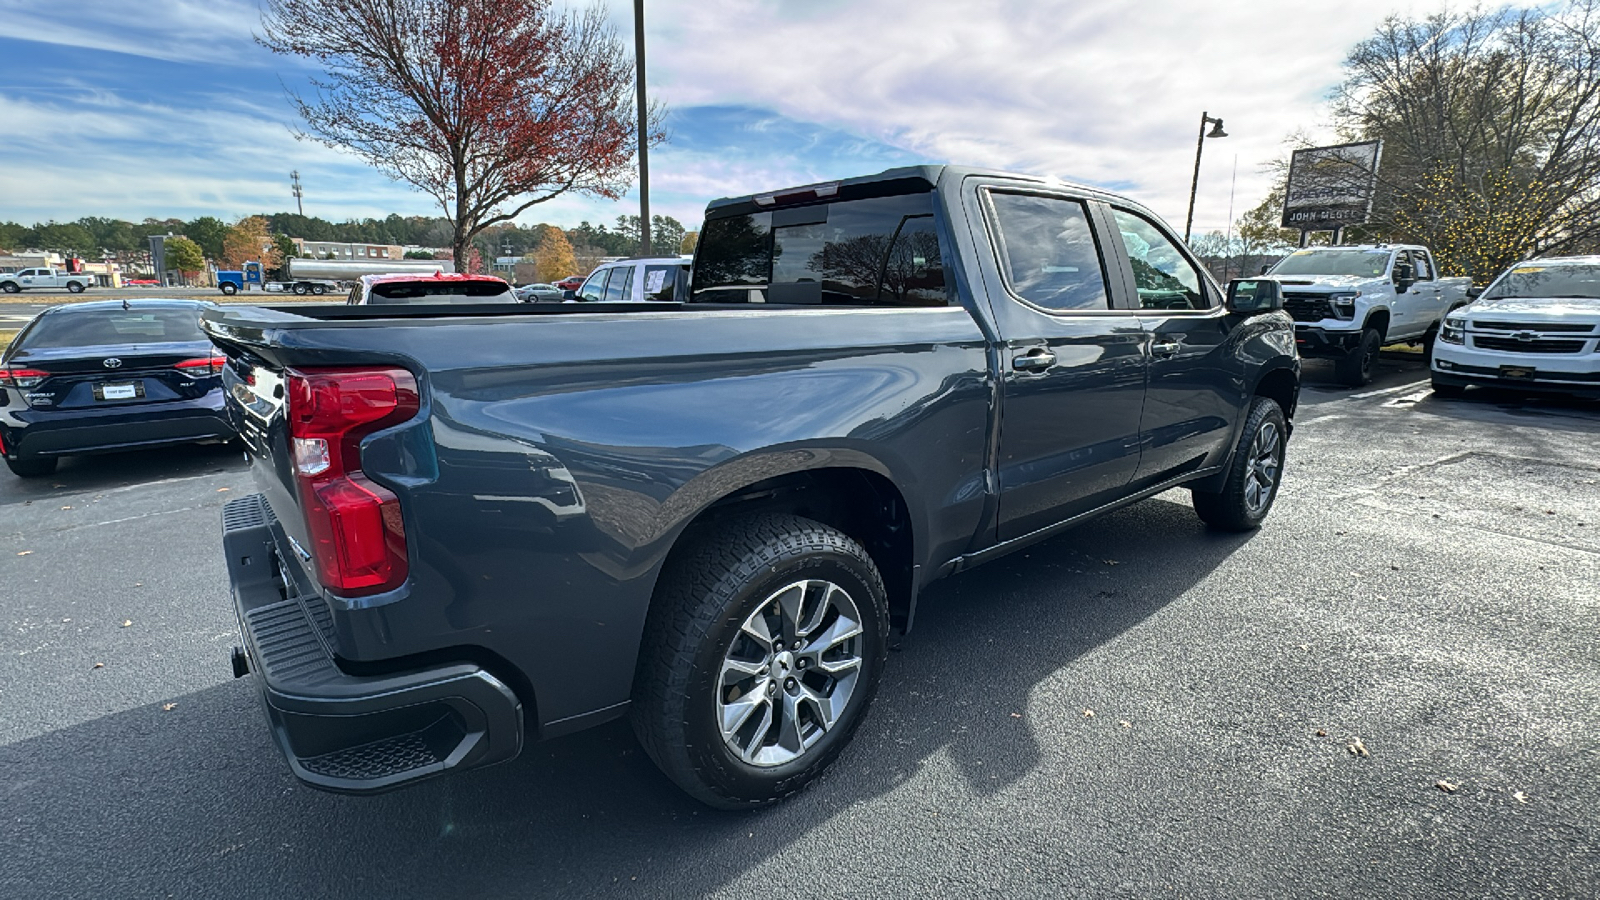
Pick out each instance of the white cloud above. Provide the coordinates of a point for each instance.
(173, 30)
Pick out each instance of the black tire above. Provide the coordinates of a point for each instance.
(11, 287)
(74, 287)
(709, 590)
(1234, 507)
(1355, 368)
(229, 288)
(319, 289)
(300, 289)
(1448, 391)
(37, 467)
(1428, 340)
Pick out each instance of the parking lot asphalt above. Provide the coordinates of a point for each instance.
(1391, 690)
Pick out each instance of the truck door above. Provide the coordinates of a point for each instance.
(1071, 363)
(1194, 392)
(1428, 307)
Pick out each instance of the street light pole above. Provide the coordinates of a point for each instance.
(644, 137)
(1199, 145)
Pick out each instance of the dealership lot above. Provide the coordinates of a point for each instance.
(1389, 690)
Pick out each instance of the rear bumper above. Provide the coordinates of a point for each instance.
(1313, 342)
(347, 733)
(59, 432)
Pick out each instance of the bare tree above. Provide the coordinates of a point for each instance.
(489, 106)
(1491, 128)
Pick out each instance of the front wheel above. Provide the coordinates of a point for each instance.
(764, 647)
(32, 468)
(229, 288)
(1355, 368)
(1254, 473)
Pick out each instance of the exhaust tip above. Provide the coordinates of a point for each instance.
(241, 662)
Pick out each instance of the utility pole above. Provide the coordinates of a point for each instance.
(644, 125)
(294, 179)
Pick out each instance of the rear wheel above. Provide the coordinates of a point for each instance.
(1253, 474)
(1448, 391)
(1428, 341)
(764, 647)
(32, 468)
(74, 287)
(1355, 367)
(11, 287)
(300, 289)
(319, 289)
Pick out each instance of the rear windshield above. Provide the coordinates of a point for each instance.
(879, 251)
(91, 328)
(1547, 281)
(441, 292)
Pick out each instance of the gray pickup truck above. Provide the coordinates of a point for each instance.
(483, 525)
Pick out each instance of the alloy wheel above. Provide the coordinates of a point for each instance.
(1265, 465)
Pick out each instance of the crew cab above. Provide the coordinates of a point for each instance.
(1349, 302)
(479, 525)
(1534, 328)
(45, 278)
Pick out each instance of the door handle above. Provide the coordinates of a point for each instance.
(1165, 349)
(1036, 360)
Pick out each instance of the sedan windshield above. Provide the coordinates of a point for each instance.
(98, 327)
(1360, 263)
(1547, 281)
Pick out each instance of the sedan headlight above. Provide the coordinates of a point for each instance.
(1344, 303)
(1453, 331)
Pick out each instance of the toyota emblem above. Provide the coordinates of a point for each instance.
(112, 363)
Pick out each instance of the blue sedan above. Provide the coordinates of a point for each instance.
(113, 375)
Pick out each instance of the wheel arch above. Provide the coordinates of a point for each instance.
(1379, 319)
(1281, 384)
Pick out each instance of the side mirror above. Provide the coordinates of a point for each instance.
(1254, 295)
(569, 294)
(1404, 276)
(1474, 292)
(1264, 268)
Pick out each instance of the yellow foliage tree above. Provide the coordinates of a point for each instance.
(553, 258)
(250, 240)
(690, 240)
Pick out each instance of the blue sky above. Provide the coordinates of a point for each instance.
(167, 108)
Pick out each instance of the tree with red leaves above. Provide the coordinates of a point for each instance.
(490, 106)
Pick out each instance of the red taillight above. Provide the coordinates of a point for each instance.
(21, 378)
(357, 536)
(202, 367)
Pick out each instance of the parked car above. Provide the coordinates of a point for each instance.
(108, 375)
(1536, 327)
(439, 287)
(659, 278)
(1349, 302)
(538, 293)
(45, 278)
(708, 514)
(570, 283)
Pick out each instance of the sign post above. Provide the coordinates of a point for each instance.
(1331, 187)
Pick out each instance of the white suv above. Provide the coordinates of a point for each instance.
(656, 278)
(1536, 327)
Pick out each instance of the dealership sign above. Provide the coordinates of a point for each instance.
(1331, 187)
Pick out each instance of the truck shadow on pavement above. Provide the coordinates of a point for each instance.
(193, 801)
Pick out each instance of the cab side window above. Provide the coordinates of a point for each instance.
(1420, 267)
(1047, 251)
(593, 289)
(1163, 277)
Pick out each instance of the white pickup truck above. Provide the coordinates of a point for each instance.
(1348, 302)
(35, 279)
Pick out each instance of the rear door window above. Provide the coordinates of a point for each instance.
(619, 286)
(878, 251)
(1047, 250)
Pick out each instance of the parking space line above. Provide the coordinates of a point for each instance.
(1394, 390)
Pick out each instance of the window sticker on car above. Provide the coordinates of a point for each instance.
(654, 279)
